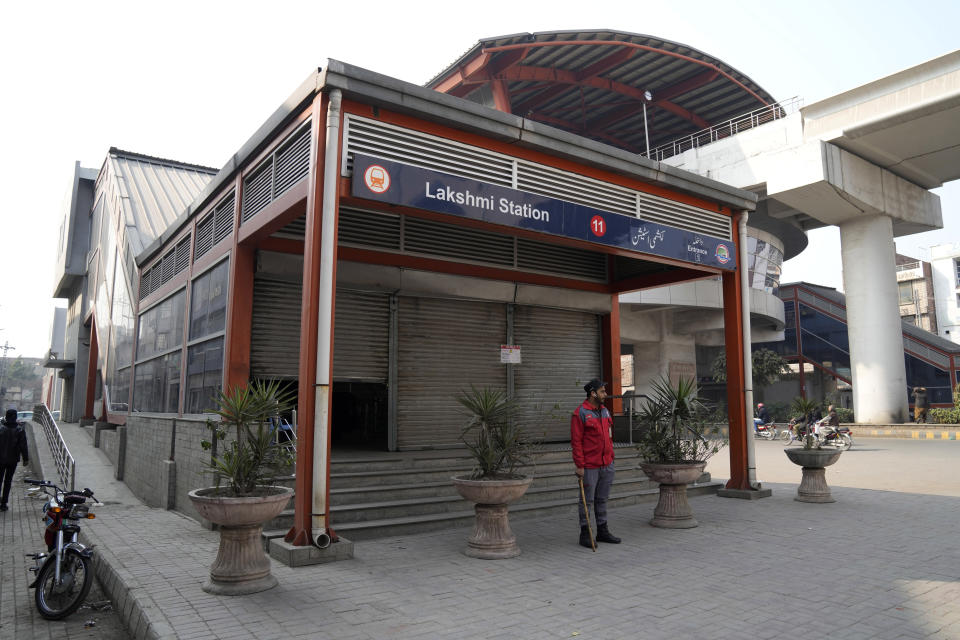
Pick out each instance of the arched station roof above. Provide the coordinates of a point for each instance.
(593, 84)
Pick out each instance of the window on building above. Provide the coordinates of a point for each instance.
(208, 314)
(121, 343)
(956, 269)
(906, 292)
(208, 302)
(204, 375)
(156, 386)
(161, 328)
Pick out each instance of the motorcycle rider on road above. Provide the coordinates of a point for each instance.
(763, 417)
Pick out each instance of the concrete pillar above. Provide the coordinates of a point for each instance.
(873, 320)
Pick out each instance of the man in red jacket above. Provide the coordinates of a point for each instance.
(591, 437)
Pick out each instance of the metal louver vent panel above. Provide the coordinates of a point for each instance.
(443, 347)
(166, 268)
(409, 235)
(169, 266)
(437, 238)
(369, 229)
(285, 167)
(554, 183)
(293, 162)
(204, 237)
(296, 229)
(677, 214)
(258, 190)
(552, 258)
(223, 219)
(561, 352)
(610, 197)
(361, 336)
(145, 281)
(374, 138)
(183, 254)
(387, 141)
(275, 331)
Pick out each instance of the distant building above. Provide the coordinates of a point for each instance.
(917, 300)
(945, 265)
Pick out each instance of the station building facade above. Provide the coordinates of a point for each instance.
(380, 246)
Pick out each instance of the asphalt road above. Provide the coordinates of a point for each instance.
(888, 464)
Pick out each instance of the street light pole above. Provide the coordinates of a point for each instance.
(647, 97)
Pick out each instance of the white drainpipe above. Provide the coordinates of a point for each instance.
(747, 352)
(321, 411)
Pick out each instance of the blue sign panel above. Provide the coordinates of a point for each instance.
(407, 185)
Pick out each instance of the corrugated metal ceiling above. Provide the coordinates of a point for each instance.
(591, 83)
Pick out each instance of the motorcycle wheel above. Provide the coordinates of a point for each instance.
(785, 437)
(771, 434)
(57, 601)
(847, 441)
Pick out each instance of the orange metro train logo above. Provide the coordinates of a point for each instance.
(376, 178)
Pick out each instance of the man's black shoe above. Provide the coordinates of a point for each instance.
(3, 507)
(585, 537)
(604, 535)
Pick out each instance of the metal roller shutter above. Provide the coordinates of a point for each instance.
(561, 353)
(444, 347)
(275, 334)
(361, 336)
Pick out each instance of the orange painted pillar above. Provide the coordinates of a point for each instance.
(610, 330)
(300, 533)
(240, 318)
(733, 337)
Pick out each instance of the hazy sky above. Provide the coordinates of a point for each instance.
(193, 80)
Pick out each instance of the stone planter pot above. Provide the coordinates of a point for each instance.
(673, 509)
(492, 538)
(241, 566)
(813, 483)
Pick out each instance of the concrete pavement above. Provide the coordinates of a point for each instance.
(875, 564)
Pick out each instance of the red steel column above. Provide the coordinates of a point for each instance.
(733, 337)
(240, 318)
(240, 307)
(610, 332)
(299, 534)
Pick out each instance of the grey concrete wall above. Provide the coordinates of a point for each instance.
(110, 445)
(148, 445)
(191, 462)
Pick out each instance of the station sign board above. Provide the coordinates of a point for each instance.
(408, 185)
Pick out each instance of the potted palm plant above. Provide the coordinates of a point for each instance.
(498, 445)
(677, 437)
(243, 498)
(812, 458)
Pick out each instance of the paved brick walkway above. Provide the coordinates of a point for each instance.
(874, 565)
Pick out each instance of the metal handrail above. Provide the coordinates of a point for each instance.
(755, 118)
(629, 398)
(64, 461)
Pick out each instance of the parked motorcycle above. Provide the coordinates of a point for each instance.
(65, 571)
(766, 431)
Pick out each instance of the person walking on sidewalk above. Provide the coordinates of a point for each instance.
(591, 438)
(13, 446)
(920, 404)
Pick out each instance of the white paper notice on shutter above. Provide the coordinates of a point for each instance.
(510, 354)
